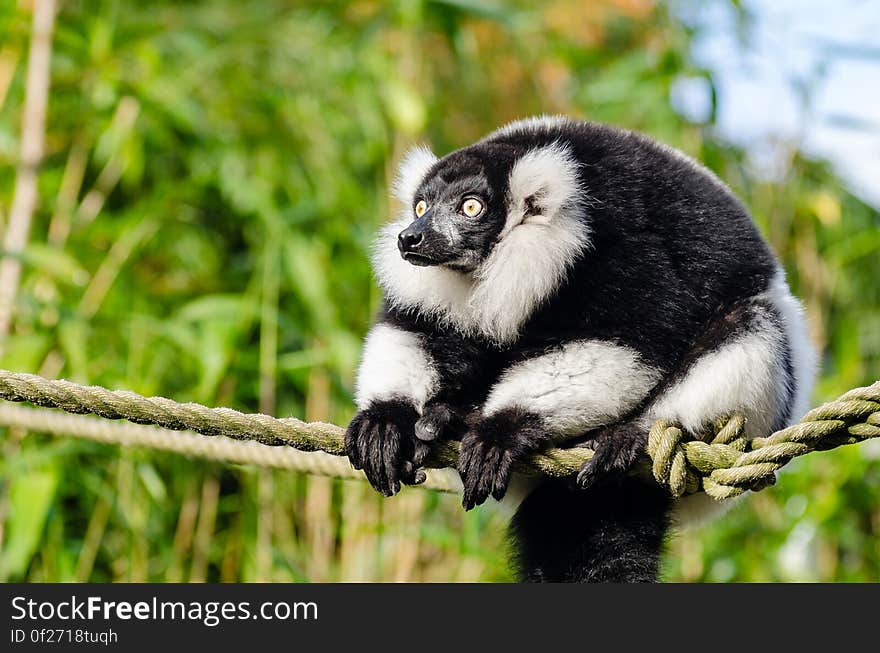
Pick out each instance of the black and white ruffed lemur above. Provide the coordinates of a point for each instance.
(562, 282)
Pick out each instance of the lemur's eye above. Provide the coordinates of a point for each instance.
(471, 207)
(421, 207)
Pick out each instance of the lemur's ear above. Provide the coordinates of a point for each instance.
(542, 182)
(411, 171)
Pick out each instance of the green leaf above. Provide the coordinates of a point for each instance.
(30, 500)
(55, 263)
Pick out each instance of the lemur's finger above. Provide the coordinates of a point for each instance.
(412, 474)
(488, 471)
(421, 451)
(392, 459)
(432, 423)
(473, 472)
(374, 462)
(587, 475)
(408, 473)
(427, 429)
(502, 476)
(364, 443)
(388, 470)
(352, 433)
(597, 467)
(468, 479)
(361, 441)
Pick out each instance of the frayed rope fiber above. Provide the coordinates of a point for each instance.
(720, 462)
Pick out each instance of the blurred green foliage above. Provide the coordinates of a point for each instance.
(214, 174)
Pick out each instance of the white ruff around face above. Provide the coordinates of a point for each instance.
(525, 267)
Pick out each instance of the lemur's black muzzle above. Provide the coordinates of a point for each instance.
(415, 244)
(410, 239)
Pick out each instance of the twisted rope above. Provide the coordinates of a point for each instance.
(213, 422)
(721, 462)
(724, 464)
(194, 445)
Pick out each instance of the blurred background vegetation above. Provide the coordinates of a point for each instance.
(213, 175)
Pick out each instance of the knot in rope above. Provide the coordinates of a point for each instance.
(722, 462)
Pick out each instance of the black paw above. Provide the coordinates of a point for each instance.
(617, 449)
(439, 421)
(491, 447)
(381, 441)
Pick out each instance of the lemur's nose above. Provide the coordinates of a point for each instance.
(409, 239)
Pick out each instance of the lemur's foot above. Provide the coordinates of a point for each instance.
(439, 421)
(491, 447)
(380, 440)
(617, 449)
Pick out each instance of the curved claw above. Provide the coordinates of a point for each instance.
(413, 475)
(616, 451)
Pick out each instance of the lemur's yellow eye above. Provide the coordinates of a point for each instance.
(421, 207)
(471, 207)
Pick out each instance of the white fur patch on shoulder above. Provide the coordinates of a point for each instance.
(577, 387)
(394, 364)
(411, 172)
(803, 354)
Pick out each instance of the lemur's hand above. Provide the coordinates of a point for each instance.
(617, 448)
(491, 447)
(440, 421)
(381, 440)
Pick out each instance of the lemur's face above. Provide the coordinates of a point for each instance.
(457, 215)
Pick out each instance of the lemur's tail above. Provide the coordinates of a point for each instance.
(612, 533)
